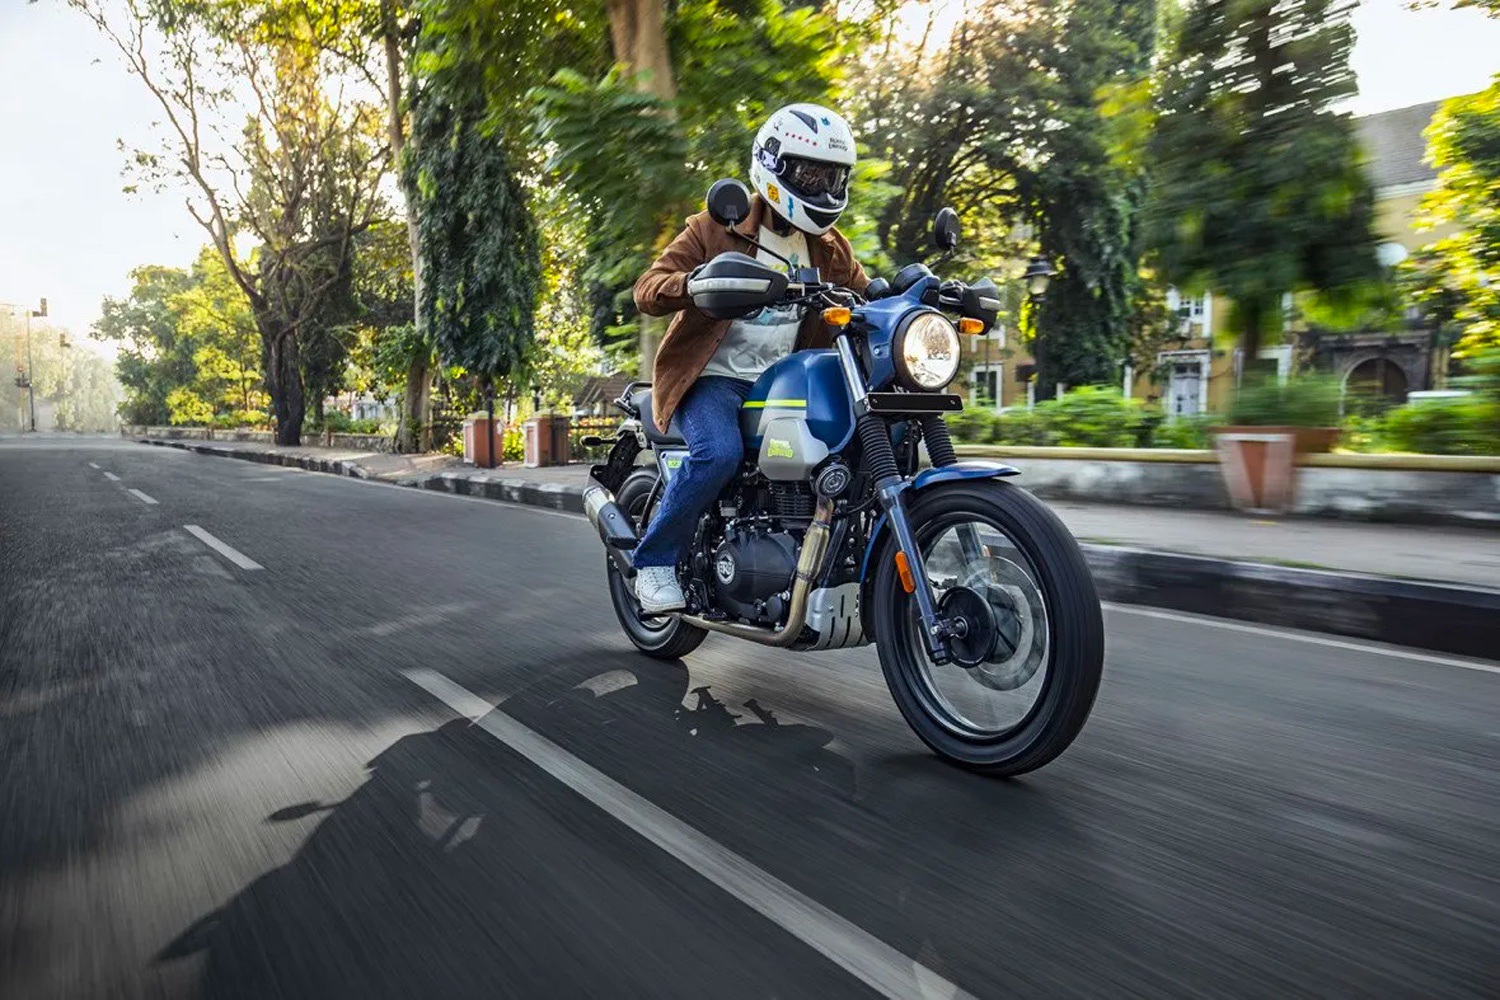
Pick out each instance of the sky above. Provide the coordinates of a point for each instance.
(68, 232)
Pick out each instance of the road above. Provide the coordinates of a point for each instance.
(224, 772)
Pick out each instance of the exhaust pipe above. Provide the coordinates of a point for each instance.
(614, 527)
(814, 545)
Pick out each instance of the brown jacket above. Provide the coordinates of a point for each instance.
(692, 338)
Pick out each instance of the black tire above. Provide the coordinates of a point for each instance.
(1075, 629)
(666, 637)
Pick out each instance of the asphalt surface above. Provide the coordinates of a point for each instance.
(220, 781)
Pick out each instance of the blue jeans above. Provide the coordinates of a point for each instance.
(709, 416)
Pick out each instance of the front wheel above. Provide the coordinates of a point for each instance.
(1028, 662)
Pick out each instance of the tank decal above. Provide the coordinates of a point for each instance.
(760, 404)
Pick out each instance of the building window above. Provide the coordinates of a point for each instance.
(986, 386)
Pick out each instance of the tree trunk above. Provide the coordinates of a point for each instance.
(414, 433)
(638, 36)
(284, 383)
(415, 430)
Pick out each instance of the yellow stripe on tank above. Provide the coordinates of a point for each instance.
(761, 404)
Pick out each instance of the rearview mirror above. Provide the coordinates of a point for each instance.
(728, 202)
(945, 229)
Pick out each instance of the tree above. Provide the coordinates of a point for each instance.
(640, 144)
(267, 142)
(1257, 184)
(1029, 121)
(153, 359)
(1459, 275)
(75, 390)
(213, 320)
(478, 243)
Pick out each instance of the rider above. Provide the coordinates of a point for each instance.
(799, 166)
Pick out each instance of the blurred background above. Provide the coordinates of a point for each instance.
(1300, 191)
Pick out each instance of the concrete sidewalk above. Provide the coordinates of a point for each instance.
(1438, 588)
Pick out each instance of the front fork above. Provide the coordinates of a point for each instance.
(880, 459)
(935, 629)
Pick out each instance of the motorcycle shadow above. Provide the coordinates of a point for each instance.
(458, 869)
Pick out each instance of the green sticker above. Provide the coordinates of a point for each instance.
(779, 449)
(673, 463)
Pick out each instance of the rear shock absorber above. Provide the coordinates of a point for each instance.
(939, 442)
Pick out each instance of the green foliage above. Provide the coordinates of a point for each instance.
(637, 165)
(1461, 426)
(185, 407)
(340, 422)
(1097, 417)
(1312, 400)
(973, 424)
(1257, 185)
(1455, 274)
(1189, 432)
(479, 245)
(1023, 427)
(1086, 417)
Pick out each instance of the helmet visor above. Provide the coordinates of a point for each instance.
(815, 179)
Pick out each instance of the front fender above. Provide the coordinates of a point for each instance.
(972, 469)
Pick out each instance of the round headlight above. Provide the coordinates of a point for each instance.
(927, 356)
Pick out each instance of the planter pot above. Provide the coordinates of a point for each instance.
(1259, 466)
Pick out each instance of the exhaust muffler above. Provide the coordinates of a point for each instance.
(614, 527)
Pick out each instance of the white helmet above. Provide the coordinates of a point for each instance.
(801, 162)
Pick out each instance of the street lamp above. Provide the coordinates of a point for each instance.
(26, 380)
(1038, 275)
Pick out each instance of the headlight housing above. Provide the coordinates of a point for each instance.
(927, 352)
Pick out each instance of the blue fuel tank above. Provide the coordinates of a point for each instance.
(806, 384)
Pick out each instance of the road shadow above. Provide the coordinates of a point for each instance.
(458, 869)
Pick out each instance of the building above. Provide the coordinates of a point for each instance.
(1197, 374)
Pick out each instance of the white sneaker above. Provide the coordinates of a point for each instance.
(657, 589)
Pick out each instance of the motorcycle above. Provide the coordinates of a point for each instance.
(977, 598)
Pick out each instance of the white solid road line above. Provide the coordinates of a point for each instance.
(228, 552)
(141, 496)
(112, 477)
(867, 958)
(1447, 661)
(93, 465)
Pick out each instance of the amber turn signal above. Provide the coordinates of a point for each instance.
(970, 326)
(836, 316)
(903, 569)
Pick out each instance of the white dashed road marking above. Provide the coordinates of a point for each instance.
(227, 551)
(861, 954)
(143, 498)
(112, 477)
(93, 465)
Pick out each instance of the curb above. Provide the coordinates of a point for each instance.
(1446, 618)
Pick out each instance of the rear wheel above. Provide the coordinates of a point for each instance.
(666, 637)
(1030, 655)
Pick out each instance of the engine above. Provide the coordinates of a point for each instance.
(750, 570)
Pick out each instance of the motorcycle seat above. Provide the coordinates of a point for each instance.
(642, 401)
